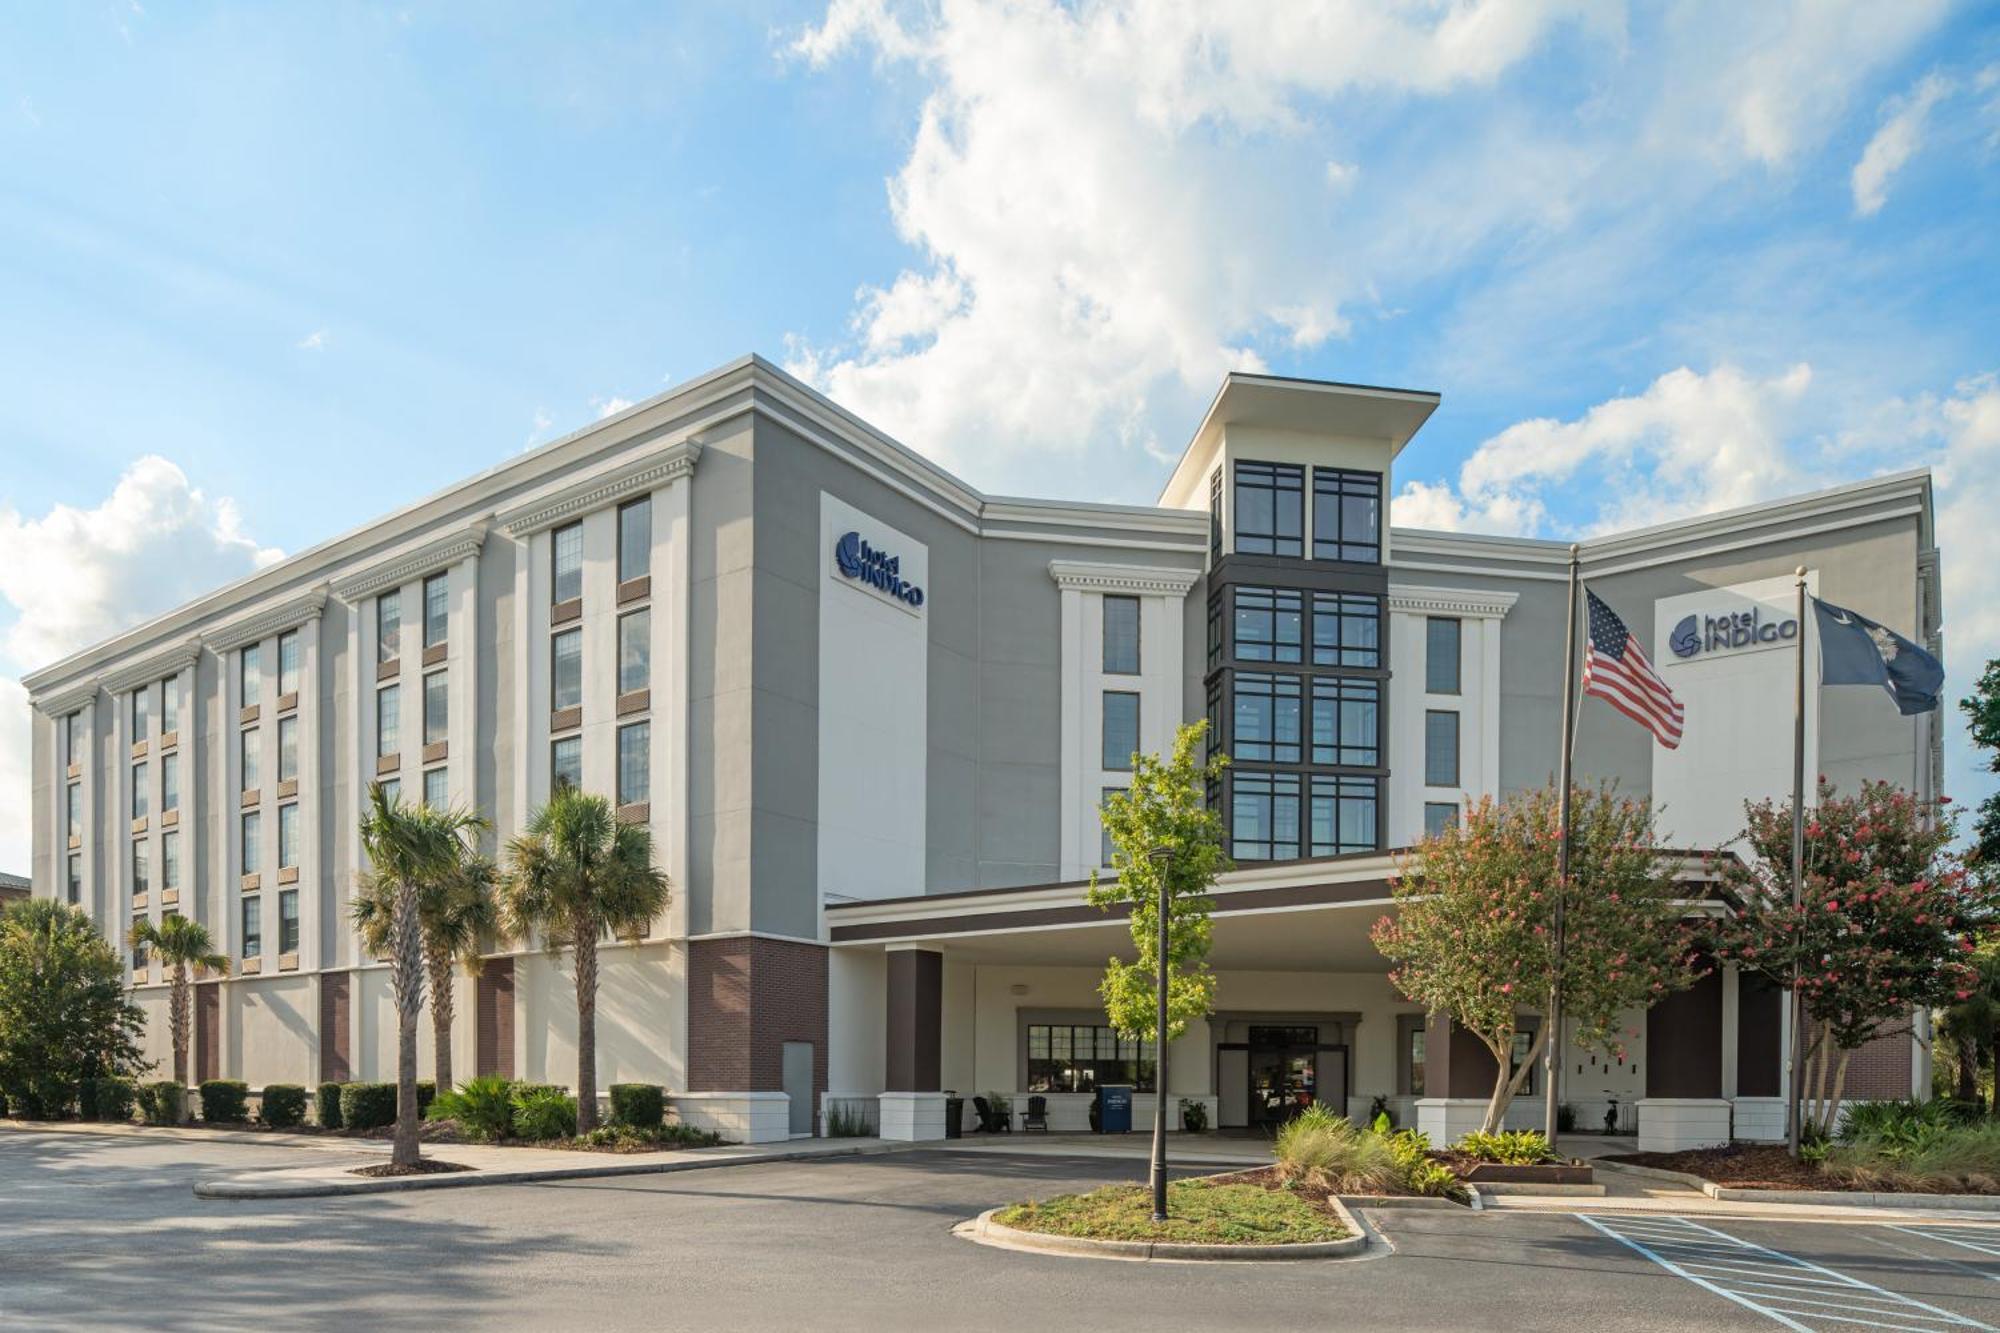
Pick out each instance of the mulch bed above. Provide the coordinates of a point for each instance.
(424, 1166)
(1747, 1166)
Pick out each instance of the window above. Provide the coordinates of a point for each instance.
(437, 788)
(437, 707)
(1079, 1057)
(635, 765)
(139, 793)
(389, 626)
(1439, 816)
(1344, 814)
(635, 651)
(1104, 848)
(392, 790)
(437, 609)
(139, 959)
(288, 921)
(1440, 748)
(1347, 720)
(253, 928)
(1269, 624)
(253, 842)
(288, 662)
(141, 699)
(388, 721)
(1347, 515)
(1121, 636)
(72, 739)
(170, 705)
(250, 673)
(566, 563)
(1121, 730)
(250, 749)
(288, 749)
(288, 836)
(635, 539)
(170, 860)
(1267, 721)
(1270, 508)
(76, 809)
(1441, 637)
(1413, 1039)
(170, 782)
(1264, 816)
(142, 870)
(73, 884)
(566, 763)
(1523, 1042)
(1347, 629)
(566, 671)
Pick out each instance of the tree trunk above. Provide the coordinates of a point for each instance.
(585, 935)
(177, 1022)
(1823, 1054)
(1506, 1085)
(406, 949)
(1968, 1069)
(1996, 1072)
(442, 1008)
(1830, 1110)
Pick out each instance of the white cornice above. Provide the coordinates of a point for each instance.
(592, 492)
(400, 568)
(69, 700)
(157, 667)
(1159, 581)
(270, 620)
(1477, 603)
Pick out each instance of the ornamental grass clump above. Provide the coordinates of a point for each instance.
(1327, 1151)
(1918, 1153)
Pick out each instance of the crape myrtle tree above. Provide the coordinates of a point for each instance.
(181, 944)
(1472, 936)
(64, 1013)
(1888, 922)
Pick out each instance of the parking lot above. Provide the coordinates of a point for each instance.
(105, 1233)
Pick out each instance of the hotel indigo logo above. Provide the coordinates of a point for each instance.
(1725, 633)
(857, 560)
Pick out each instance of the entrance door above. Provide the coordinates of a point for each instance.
(1283, 1082)
(798, 1070)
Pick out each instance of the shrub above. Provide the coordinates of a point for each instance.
(1521, 1147)
(639, 1105)
(225, 1100)
(1326, 1149)
(842, 1122)
(678, 1135)
(1565, 1119)
(163, 1102)
(329, 1106)
(113, 1098)
(665, 1136)
(543, 1112)
(367, 1105)
(483, 1107)
(284, 1105)
(426, 1094)
(1902, 1121)
(1925, 1158)
(86, 1098)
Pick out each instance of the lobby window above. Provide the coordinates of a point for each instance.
(437, 787)
(250, 747)
(170, 860)
(252, 835)
(1104, 847)
(76, 809)
(253, 928)
(437, 707)
(1121, 730)
(142, 870)
(1347, 629)
(1121, 636)
(1264, 816)
(566, 670)
(635, 539)
(73, 882)
(250, 673)
(1440, 748)
(288, 749)
(288, 662)
(1344, 813)
(1270, 624)
(566, 563)
(170, 782)
(635, 764)
(1065, 1057)
(566, 763)
(388, 721)
(288, 836)
(1441, 655)
(288, 921)
(139, 793)
(635, 651)
(170, 705)
(1270, 508)
(1347, 515)
(141, 721)
(1347, 721)
(1266, 723)
(437, 609)
(1439, 816)
(389, 626)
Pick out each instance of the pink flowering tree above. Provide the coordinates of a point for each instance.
(1472, 935)
(1887, 924)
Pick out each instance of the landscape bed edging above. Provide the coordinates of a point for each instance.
(987, 1231)
(1965, 1203)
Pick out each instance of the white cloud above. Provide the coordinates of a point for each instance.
(313, 342)
(1901, 135)
(609, 407)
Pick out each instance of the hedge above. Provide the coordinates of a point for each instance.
(639, 1105)
(367, 1105)
(329, 1106)
(225, 1101)
(114, 1098)
(426, 1094)
(163, 1102)
(284, 1105)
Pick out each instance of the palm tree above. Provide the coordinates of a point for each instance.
(456, 911)
(180, 943)
(409, 847)
(576, 874)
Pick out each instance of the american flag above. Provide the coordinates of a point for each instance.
(1615, 669)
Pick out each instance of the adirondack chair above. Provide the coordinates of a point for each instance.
(1036, 1116)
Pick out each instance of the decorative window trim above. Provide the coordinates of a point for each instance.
(143, 672)
(1143, 580)
(1473, 603)
(594, 492)
(401, 568)
(260, 626)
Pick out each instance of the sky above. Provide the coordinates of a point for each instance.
(268, 272)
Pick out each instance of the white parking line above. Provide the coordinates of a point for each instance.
(1794, 1292)
(1980, 1240)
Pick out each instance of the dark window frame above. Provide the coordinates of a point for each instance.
(644, 556)
(1332, 697)
(642, 618)
(1114, 656)
(556, 750)
(288, 921)
(1343, 611)
(288, 676)
(442, 621)
(1432, 776)
(1068, 1072)
(1342, 792)
(566, 567)
(556, 681)
(1283, 486)
(1274, 791)
(389, 625)
(1112, 761)
(1270, 740)
(644, 792)
(1333, 488)
(1437, 678)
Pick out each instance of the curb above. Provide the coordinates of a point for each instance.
(984, 1230)
(1519, 1188)
(1402, 1201)
(1954, 1203)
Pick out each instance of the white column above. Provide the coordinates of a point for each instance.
(315, 878)
(672, 574)
(530, 731)
(1074, 740)
(462, 661)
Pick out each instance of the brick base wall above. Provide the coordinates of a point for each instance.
(747, 997)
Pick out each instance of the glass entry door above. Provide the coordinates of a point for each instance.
(1284, 1072)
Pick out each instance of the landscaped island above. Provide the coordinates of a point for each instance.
(1212, 1211)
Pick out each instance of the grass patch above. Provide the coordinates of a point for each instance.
(1199, 1212)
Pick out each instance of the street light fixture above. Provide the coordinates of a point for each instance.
(1162, 858)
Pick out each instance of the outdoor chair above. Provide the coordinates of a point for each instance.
(1036, 1116)
(992, 1120)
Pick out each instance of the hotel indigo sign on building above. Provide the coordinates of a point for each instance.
(866, 563)
(1731, 631)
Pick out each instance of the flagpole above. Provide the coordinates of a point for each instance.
(1552, 1052)
(1795, 1066)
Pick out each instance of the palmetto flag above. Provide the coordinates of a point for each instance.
(1615, 669)
(1854, 650)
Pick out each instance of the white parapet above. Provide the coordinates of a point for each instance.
(1760, 1119)
(1674, 1124)
(743, 1117)
(912, 1116)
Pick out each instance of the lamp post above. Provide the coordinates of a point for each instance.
(1162, 858)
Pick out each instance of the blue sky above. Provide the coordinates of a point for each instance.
(266, 272)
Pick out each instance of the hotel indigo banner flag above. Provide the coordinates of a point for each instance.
(1854, 650)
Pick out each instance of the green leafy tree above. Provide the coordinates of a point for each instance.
(1888, 921)
(1473, 935)
(64, 1013)
(181, 944)
(1164, 809)
(456, 910)
(1982, 713)
(409, 847)
(577, 874)
(1970, 1027)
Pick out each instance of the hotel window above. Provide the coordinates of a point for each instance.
(1066, 1057)
(1267, 722)
(74, 883)
(253, 928)
(170, 705)
(1347, 515)
(566, 563)
(76, 809)
(1347, 721)
(1439, 816)
(170, 782)
(1270, 508)
(1441, 656)
(250, 673)
(437, 609)
(635, 651)
(142, 873)
(1413, 1056)
(288, 836)
(1524, 1042)
(288, 662)
(253, 842)
(139, 793)
(1104, 848)
(170, 860)
(1214, 630)
(1264, 816)
(1121, 636)
(1344, 814)
(635, 539)
(141, 724)
(1440, 748)
(389, 626)
(1347, 629)
(1121, 730)
(566, 670)
(388, 721)
(1215, 514)
(392, 791)
(437, 707)
(566, 763)
(138, 947)
(288, 921)
(1269, 624)
(635, 773)
(288, 749)
(252, 777)
(72, 727)
(437, 788)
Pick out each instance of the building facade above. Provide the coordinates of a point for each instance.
(869, 715)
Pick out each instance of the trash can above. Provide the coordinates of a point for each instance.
(1114, 1108)
(954, 1117)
